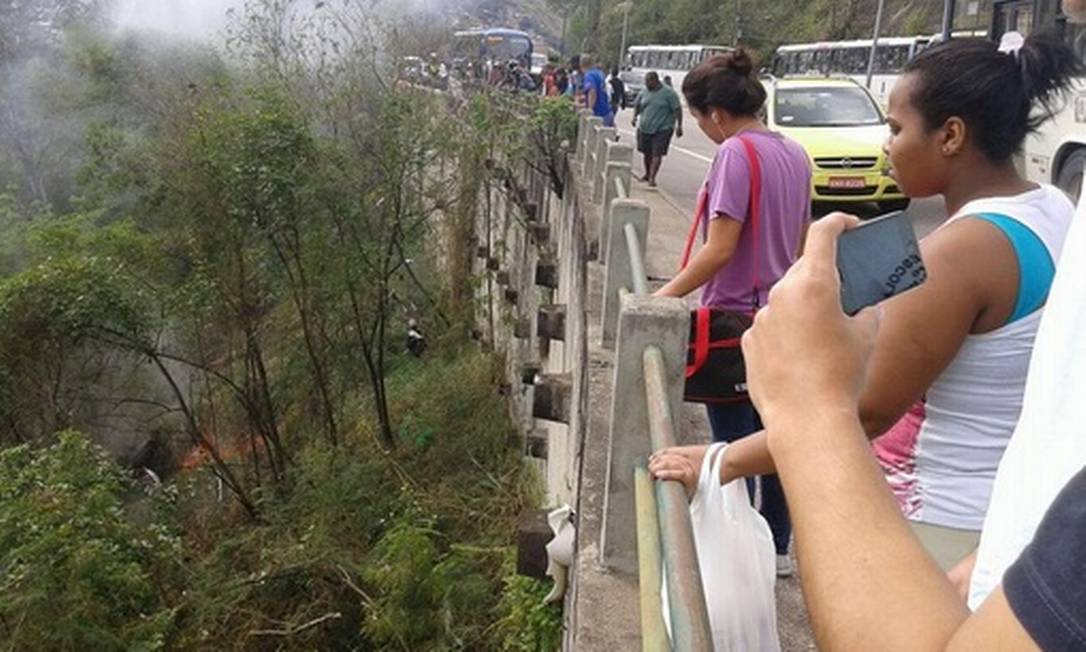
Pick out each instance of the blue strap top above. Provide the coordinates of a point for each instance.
(1036, 269)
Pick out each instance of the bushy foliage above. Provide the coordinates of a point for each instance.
(528, 624)
(239, 260)
(75, 571)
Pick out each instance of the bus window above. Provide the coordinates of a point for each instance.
(782, 65)
(1015, 17)
(808, 61)
(854, 61)
(891, 59)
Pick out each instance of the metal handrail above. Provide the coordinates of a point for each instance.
(620, 189)
(649, 563)
(690, 629)
(637, 263)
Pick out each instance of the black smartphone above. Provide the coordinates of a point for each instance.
(878, 260)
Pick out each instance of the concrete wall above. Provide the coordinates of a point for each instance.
(529, 238)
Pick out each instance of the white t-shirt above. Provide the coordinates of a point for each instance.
(1049, 443)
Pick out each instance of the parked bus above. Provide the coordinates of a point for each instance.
(490, 47)
(668, 60)
(1056, 154)
(851, 58)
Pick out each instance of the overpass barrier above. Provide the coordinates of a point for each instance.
(646, 525)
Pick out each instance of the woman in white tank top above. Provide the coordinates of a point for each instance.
(963, 339)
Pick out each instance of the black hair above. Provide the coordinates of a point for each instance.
(725, 81)
(993, 92)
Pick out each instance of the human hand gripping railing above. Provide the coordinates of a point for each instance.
(649, 363)
(690, 628)
(649, 328)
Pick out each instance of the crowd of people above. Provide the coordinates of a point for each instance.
(928, 452)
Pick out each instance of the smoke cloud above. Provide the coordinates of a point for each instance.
(195, 19)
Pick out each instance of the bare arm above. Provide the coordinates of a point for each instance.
(922, 330)
(718, 250)
(867, 582)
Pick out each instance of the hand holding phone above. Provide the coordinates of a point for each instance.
(878, 260)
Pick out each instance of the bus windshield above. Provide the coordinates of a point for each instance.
(504, 47)
(497, 46)
(826, 106)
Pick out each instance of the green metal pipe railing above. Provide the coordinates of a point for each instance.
(690, 629)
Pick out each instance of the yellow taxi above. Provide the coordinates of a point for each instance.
(843, 130)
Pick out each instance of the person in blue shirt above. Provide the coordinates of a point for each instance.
(595, 91)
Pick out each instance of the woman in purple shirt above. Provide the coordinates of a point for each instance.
(725, 97)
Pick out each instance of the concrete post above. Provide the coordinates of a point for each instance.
(617, 273)
(551, 400)
(616, 153)
(551, 322)
(615, 170)
(582, 131)
(599, 159)
(585, 158)
(644, 321)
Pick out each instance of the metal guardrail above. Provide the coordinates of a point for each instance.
(620, 189)
(651, 346)
(690, 629)
(637, 262)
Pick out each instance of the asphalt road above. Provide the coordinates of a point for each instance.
(683, 172)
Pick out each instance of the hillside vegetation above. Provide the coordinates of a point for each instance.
(212, 433)
(596, 25)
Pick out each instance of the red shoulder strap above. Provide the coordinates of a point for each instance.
(701, 213)
(755, 213)
(701, 341)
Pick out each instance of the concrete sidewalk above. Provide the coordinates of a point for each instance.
(603, 613)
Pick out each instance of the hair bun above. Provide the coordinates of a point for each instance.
(740, 61)
(1048, 68)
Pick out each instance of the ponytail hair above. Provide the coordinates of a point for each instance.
(995, 93)
(725, 81)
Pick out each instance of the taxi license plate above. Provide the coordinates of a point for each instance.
(847, 182)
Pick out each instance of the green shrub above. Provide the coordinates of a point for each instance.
(75, 572)
(529, 624)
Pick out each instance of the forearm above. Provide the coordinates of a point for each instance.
(679, 119)
(702, 267)
(750, 455)
(890, 596)
(746, 458)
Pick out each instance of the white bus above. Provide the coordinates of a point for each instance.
(1056, 154)
(850, 58)
(668, 60)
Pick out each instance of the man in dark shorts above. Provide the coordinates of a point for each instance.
(661, 115)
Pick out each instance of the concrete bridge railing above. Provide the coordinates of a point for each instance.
(535, 253)
(649, 335)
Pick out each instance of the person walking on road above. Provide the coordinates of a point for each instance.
(726, 98)
(618, 91)
(661, 115)
(595, 91)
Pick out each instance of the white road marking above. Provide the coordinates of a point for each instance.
(682, 150)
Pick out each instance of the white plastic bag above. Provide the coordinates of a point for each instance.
(738, 562)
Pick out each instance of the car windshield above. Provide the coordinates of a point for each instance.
(825, 107)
